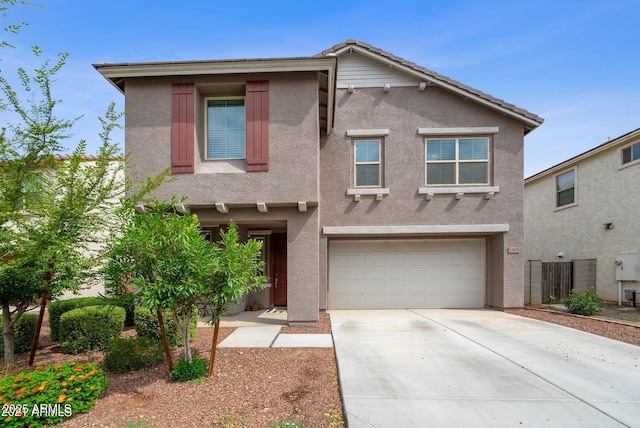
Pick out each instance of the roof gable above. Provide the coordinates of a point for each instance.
(406, 73)
(623, 140)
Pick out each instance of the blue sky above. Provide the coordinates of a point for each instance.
(575, 63)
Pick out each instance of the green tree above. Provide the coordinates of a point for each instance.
(162, 255)
(237, 275)
(52, 212)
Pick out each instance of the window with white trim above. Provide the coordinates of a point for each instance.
(565, 188)
(225, 128)
(368, 163)
(456, 161)
(631, 153)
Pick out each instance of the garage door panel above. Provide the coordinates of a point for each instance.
(407, 274)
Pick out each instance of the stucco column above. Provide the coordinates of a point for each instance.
(303, 269)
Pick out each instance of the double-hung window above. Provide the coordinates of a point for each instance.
(225, 128)
(631, 153)
(367, 155)
(452, 161)
(565, 188)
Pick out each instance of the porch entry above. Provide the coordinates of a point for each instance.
(278, 269)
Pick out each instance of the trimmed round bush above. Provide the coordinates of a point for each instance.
(135, 353)
(90, 328)
(59, 307)
(146, 321)
(23, 331)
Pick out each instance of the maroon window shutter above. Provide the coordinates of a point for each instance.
(257, 108)
(182, 138)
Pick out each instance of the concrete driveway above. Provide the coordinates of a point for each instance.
(480, 368)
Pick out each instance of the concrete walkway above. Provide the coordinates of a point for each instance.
(261, 329)
(480, 368)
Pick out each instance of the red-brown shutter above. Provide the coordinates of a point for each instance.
(182, 128)
(257, 108)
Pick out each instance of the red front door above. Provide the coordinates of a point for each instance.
(279, 269)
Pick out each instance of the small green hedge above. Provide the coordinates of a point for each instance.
(135, 353)
(146, 321)
(90, 328)
(59, 307)
(23, 331)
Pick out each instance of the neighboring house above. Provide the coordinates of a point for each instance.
(374, 182)
(587, 209)
(96, 286)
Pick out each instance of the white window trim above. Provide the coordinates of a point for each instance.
(633, 162)
(206, 121)
(457, 161)
(459, 191)
(467, 130)
(359, 133)
(575, 189)
(379, 163)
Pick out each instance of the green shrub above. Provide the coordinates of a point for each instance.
(49, 395)
(23, 331)
(90, 328)
(147, 326)
(194, 368)
(59, 307)
(586, 303)
(135, 353)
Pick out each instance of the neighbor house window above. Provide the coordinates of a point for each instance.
(225, 128)
(565, 188)
(367, 163)
(631, 153)
(457, 161)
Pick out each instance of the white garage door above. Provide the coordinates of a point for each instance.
(443, 273)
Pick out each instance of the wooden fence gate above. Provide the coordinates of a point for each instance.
(557, 280)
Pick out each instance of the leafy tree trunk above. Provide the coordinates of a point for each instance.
(183, 321)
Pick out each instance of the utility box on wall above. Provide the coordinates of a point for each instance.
(627, 267)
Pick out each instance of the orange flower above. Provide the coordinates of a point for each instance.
(72, 377)
(69, 399)
(92, 387)
(61, 398)
(34, 390)
(39, 368)
(78, 369)
(64, 389)
(22, 390)
(72, 363)
(58, 367)
(64, 384)
(8, 419)
(77, 389)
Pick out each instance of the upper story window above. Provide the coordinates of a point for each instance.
(225, 128)
(457, 161)
(631, 153)
(368, 163)
(565, 188)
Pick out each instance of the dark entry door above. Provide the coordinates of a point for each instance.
(279, 269)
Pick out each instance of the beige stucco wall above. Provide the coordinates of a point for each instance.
(403, 111)
(606, 193)
(293, 141)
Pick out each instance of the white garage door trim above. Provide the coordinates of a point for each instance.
(407, 273)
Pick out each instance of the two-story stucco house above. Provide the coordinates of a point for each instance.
(587, 208)
(374, 182)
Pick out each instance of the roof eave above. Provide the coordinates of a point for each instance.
(618, 141)
(116, 73)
